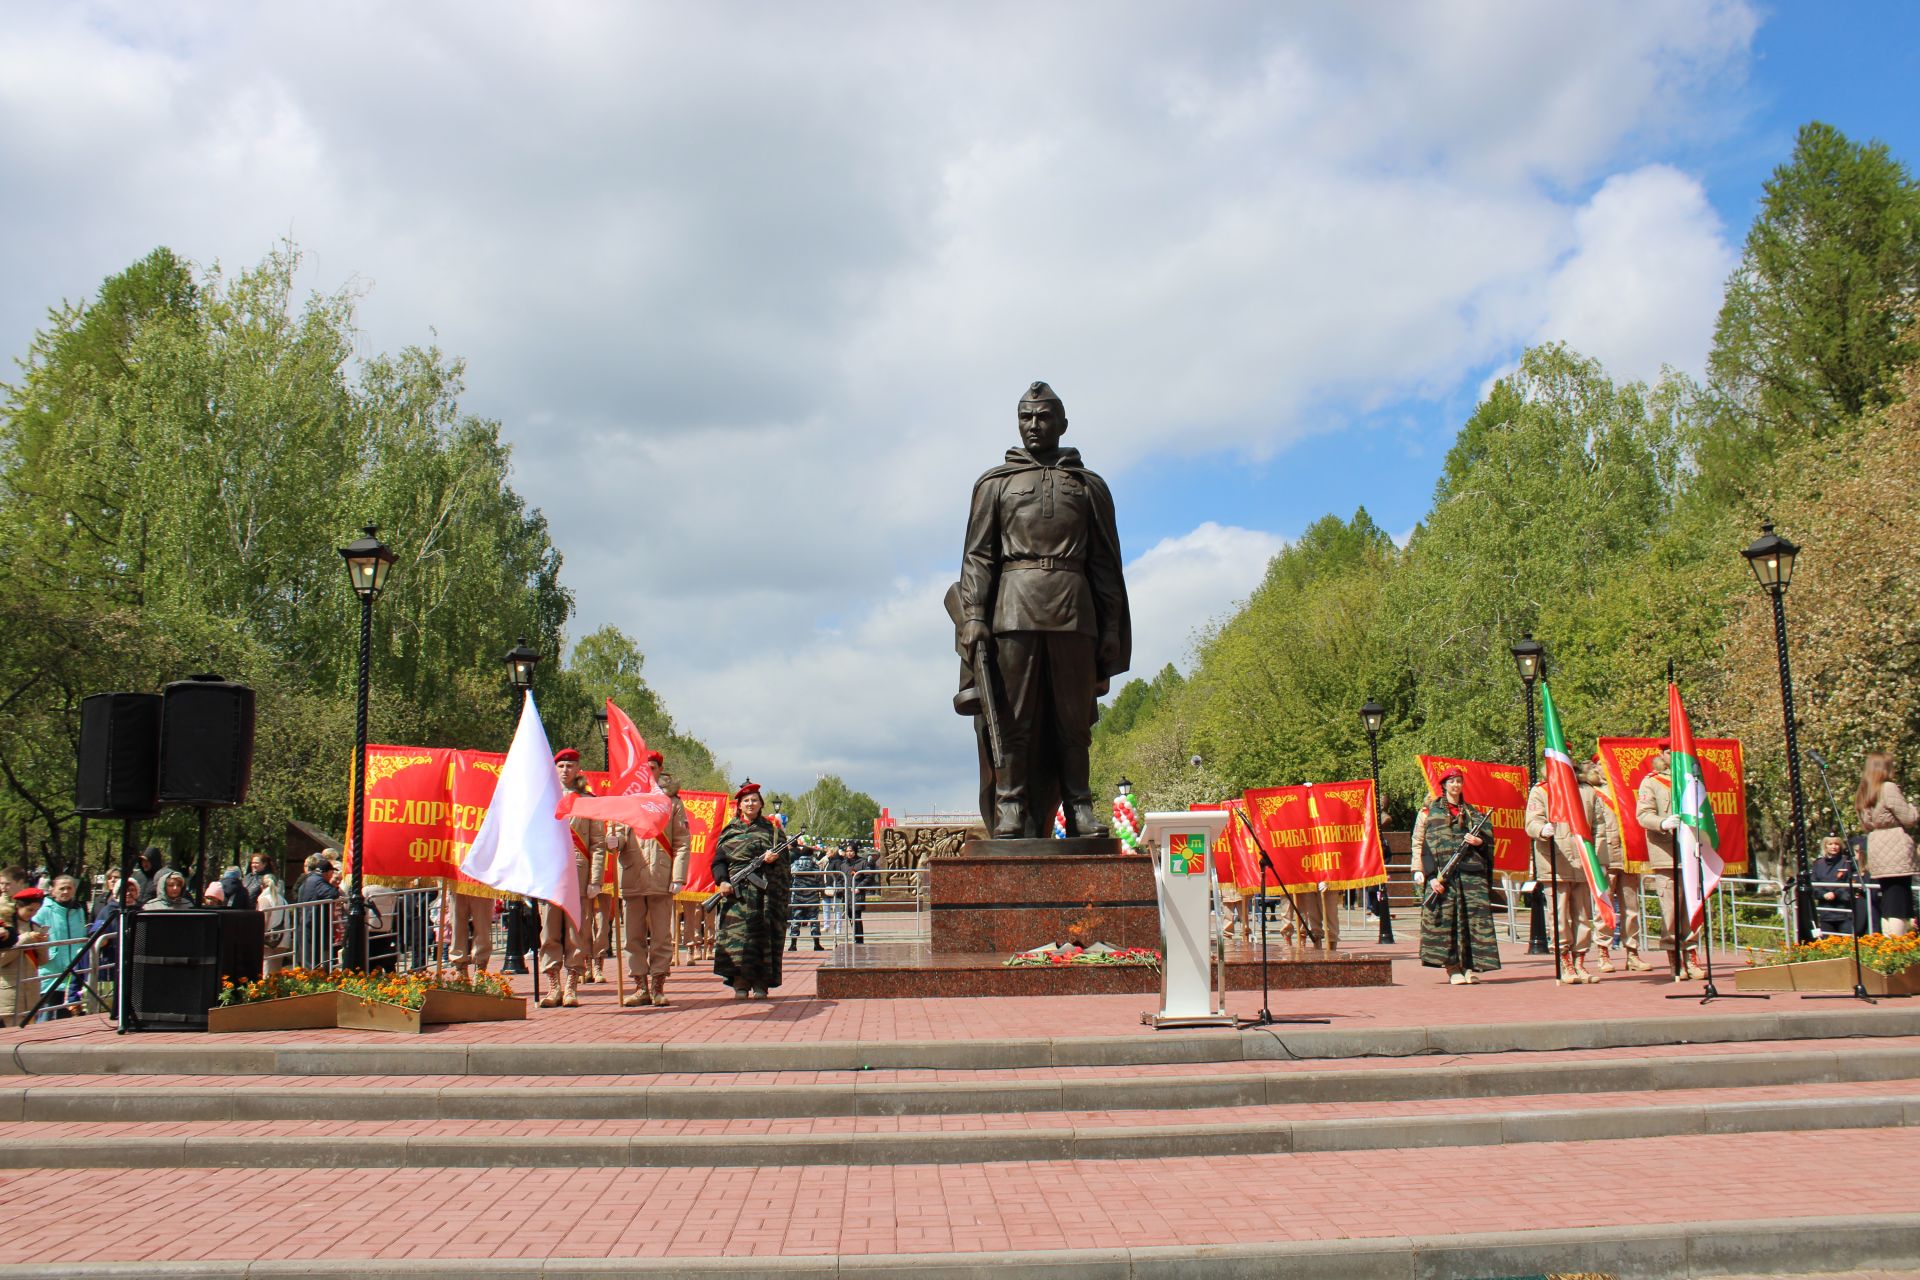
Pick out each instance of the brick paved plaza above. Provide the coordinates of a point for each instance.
(1503, 1129)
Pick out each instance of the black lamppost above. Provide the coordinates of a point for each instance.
(606, 742)
(1772, 559)
(1530, 656)
(368, 560)
(1373, 716)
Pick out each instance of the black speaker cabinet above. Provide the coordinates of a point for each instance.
(206, 742)
(177, 958)
(119, 756)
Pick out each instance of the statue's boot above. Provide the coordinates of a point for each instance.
(1010, 821)
(1081, 820)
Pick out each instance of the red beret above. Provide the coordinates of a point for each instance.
(748, 788)
(1452, 773)
(30, 894)
(654, 757)
(566, 755)
(1665, 744)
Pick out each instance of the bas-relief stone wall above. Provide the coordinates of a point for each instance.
(911, 848)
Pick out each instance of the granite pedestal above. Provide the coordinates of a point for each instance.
(880, 971)
(1008, 902)
(1002, 897)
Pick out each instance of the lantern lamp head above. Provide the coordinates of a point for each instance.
(1529, 655)
(520, 662)
(368, 560)
(1771, 557)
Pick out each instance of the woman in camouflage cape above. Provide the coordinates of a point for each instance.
(1456, 932)
(753, 923)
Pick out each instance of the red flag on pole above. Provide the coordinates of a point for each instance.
(631, 798)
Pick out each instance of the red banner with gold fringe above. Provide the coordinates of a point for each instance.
(1501, 788)
(1323, 834)
(707, 813)
(1627, 762)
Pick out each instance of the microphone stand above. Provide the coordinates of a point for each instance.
(1710, 992)
(1265, 1017)
(1859, 991)
(1839, 823)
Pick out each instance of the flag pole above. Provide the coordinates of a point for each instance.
(1711, 992)
(619, 929)
(440, 943)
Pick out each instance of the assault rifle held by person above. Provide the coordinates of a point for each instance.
(719, 900)
(1445, 874)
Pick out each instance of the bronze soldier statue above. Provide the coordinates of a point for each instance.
(1041, 622)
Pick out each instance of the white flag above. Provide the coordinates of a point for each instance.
(521, 847)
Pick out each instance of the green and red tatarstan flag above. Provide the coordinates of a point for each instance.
(1698, 834)
(1565, 810)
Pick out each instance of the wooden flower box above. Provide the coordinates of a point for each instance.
(291, 1013)
(376, 1015)
(1825, 975)
(468, 1006)
(339, 1009)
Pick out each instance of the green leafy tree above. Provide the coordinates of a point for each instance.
(830, 809)
(1818, 313)
(179, 459)
(607, 664)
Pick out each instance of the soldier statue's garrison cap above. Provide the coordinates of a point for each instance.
(1040, 393)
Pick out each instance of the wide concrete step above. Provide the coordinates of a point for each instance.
(1400, 1214)
(1108, 1136)
(321, 1053)
(27, 1101)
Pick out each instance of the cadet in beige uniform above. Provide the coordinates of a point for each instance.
(599, 924)
(1320, 913)
(563, 948)
(1654, 812)
(1624, 888)
(1559, 846)
(650, 873)
(471, 920)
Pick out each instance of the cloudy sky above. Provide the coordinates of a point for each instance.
(754, 287)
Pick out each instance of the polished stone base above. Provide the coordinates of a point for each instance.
(903, 970)
(1008, 902)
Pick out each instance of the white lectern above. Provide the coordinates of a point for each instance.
(1193, 965)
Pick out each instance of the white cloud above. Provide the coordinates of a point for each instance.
(1183, 584)
(754, 287)
(1643, 285)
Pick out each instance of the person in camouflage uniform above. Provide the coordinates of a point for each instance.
(1456, 932)
(753, 921)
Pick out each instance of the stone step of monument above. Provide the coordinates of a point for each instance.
(977, 1075)
(238, 1098)
(1110, 1135)
(1433, 1213)
(982, 1075)
(329, 1053)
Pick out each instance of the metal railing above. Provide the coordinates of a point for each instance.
(861, 906)
(819, 905)
(1744, 913)
(892, 886)
(402, 932)
(79, 978)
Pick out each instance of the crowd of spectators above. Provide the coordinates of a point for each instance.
(44, 929)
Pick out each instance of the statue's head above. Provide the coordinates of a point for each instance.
(1043, 419)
